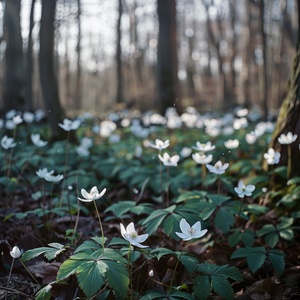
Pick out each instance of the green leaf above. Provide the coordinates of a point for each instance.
(224, 219)
(186, 197)
(277, 260)
(287, 234)
(49, 252)
(90, 276)
(266, 229)
(44, 293)
(272, 239)
(222, 287)
(295, 180)
(228, 271)
(255, 256)
(202, 287)
(159, 252)
(189, 262)
(118, 278)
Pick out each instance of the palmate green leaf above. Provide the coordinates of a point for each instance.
(118, 278)
(160, 252)
(277, 260)
(202, 287)
(287, 234)
(295, 180)
(122, 207)
(266, 229)
(255, 256)
(272, 239)
(285, 223)
(189, 262)
(225, 271)
(156, 218)
(222, 287)
(186, 197)
(70, 265)
(49, 252)
(177, 295)
(90, 276)
(44, 293)
(224, 219)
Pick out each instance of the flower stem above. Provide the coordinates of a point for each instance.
(175, 269)
(29, 273)
(289, 167)
(100, 223)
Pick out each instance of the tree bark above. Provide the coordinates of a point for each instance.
(119, 95)
(48, 73)
(14, 69)
(167, 65)
(78, 50)
(288, 118)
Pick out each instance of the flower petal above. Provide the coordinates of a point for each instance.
(184, 226)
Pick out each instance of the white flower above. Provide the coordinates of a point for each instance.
(185, 152)
(244, 190)
(189, 232)
(169, 161)
(201, 158)
(42, 172)
(232, 144)
(15, 252)
(288, 138)
(272, 157)
(51, 178)
(159, 144)
(69, 125)
(251, 137)
(107, 127)
(204, 147)
(17, 120)
(151, 273)
(36, 139)
(92, 195)
(7, 142)
(28, 117)
(130, 235)
(82, 151)
(218, 168)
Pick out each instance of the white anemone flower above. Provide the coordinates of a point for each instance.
(204, 147)
(7, 142)
(36, 140)
(202, 158)
(51, 178)
(92, 195)
(42, 172)
(169, 161)
(189, 232)
(272, 157)
(244, 190)
(130, 235)
(288, 138)
(15, 252)
(232, 144)
(159, 144)
(69, 125)
(17, 120)
(217, 168)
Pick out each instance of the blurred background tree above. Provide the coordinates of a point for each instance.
(218, 53)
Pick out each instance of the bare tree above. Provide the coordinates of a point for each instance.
(48, 73)
(14, 70)
(78, 50)
(167, 65)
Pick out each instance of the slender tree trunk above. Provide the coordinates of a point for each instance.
(167, 64)
(48, 73)
(119, 95)
(78, 49)
(14, 69)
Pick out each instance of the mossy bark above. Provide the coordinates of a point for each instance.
(289, 119)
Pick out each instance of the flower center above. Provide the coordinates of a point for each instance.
(191, 231)
(133, 234)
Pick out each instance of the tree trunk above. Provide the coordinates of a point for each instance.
(29, 62)
(14, 70)
(119, 95)
(167, 80)
(288, 118)
(77, 97)
(48, 73)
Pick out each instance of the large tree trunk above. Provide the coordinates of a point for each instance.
(48, 73)
(14, 70)
(288, 119)
(167, 80)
